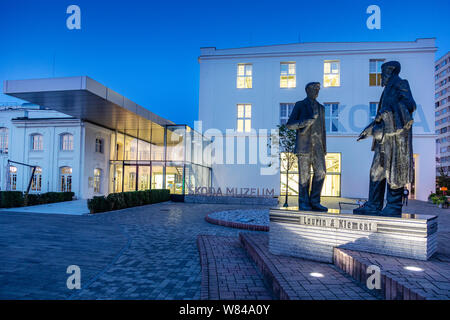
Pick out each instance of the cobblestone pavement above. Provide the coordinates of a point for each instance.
(147, 252)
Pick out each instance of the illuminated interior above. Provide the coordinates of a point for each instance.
(287, 75)
(331, 73)
(331, 186)
(171, 157)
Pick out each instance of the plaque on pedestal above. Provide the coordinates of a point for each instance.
(314, 235)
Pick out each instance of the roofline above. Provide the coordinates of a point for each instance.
(445, 54)
(222, 53)
(80, 83)
(318, 42)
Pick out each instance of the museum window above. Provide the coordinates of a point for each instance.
(244, 76)
(331, 73)
(13, 178)
(66, 179)
(97, 179)
(373, 106)
(4, 132)
(36, 181)
(37, 142)
(332, 184)
(285, 112)
(332, 116)
(287, 75)
(375, 72)
(99, 145)
(244, 117)
(67, 142)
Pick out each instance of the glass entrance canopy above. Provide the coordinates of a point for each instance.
(147, 151)
(173, 159)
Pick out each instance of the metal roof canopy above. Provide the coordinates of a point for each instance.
(89, 100)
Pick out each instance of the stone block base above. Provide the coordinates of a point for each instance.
(313, 235)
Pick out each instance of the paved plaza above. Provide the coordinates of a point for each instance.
(147, 252)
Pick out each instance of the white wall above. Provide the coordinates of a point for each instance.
(94, 160)
(219, 96)
(82, 159)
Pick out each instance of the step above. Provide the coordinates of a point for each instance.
(293, 278)
(227, 271)
(401, 278)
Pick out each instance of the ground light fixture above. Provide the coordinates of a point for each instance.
(316, 275)
(412, 268)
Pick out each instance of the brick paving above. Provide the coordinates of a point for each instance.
(227, 271)
(146, 252)
(291, 278)
(398, 283)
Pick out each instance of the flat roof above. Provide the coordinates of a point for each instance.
(317, 48)
(86, 99)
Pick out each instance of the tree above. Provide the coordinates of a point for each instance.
(442, 180)
(288, 158)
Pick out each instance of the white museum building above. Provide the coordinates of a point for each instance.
(245, 90)
(86, 138)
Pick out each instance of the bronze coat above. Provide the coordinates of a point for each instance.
(301, 119)
(392, 132)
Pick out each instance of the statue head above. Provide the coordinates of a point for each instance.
(312, 90)
(388, 70)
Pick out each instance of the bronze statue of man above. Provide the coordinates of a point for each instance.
(392, 145)
(308, 118)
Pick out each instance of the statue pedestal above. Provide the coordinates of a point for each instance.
(312, 235)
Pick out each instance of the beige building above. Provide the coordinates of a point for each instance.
(442, 112)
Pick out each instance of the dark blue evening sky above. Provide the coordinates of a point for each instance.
(147, 50)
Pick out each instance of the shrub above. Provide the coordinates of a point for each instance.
(32, 199)
(159, 195)
(117, 201)
(98, 204)
(10, 199)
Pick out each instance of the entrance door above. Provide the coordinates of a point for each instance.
(129, 178)
(144, 177)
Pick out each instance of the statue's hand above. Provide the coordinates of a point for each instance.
(366, 132)
(363, 135)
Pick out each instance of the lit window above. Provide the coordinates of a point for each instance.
(66, 179)
(4, 140)
(13, 177)
(67, 142)
(97, 178)
(285, 112)
(244, 76)
(287, 75)
(99, 145)
(244, 117)
(373, 107)
(37, 142)
(332, 183)
(331, 117)
(375, 72)
(36, 182)
(331, 73)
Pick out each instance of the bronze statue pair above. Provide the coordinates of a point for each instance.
(392, 145)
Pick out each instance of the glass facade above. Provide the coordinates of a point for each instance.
(331, 186)
(160, 157)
